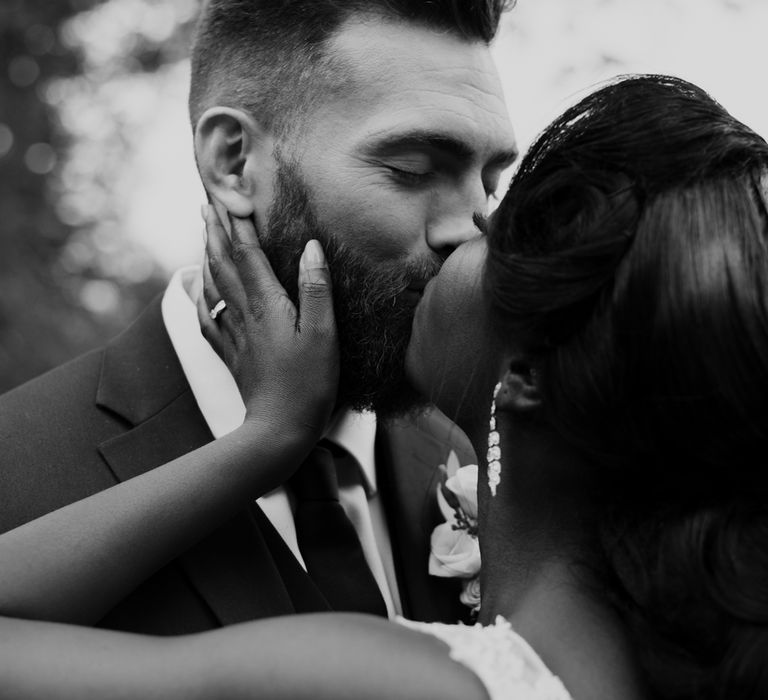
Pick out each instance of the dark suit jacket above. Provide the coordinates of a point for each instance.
(120, 411)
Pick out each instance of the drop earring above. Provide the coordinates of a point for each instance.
(494, 447)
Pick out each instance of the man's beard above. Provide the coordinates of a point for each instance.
(373, 320)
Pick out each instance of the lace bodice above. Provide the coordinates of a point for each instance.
(506, 664)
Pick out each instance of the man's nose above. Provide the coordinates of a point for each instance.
(453, 222)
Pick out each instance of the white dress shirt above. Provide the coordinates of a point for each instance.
(222, 407)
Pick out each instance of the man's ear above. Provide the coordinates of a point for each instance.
(235, 158)
(519, 392)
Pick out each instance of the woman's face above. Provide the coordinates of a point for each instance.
(452, 358)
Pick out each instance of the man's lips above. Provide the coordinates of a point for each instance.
(419, 304)
(412, 296)
(414, 291)
(419, 285)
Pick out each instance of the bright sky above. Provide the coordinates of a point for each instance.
(553, 50)
(548, 53)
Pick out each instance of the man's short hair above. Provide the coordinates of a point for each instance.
(267, 57)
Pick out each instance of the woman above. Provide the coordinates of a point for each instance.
(617, 313)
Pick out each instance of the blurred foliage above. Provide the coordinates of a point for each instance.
(68, 281)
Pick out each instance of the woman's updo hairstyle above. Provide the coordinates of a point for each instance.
(629, 259)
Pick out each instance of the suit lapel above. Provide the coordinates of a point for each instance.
(142, 381)
(408, 454)
(140, 373)
(243, 570)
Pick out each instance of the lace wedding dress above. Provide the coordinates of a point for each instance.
(505, 663)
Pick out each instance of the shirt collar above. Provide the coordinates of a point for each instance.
(216, 392)
(212, 384)
(355, 431)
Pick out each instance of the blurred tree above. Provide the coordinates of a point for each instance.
(62, 290)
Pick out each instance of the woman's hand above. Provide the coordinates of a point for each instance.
(284, 359)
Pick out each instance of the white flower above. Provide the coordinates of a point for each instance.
(455, 551)
(470, 593)
(463, 484)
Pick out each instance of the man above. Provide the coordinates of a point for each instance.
(379, 128)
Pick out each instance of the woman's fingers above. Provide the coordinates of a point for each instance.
(211, 292)
(209, 327)
(256, 274)
(218, 303)
(315, 290)
(244, 231)
(224, 276)
(222, 308)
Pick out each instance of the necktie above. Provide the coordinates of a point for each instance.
(327, 539)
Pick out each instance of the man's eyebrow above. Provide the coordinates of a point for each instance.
(423, 139)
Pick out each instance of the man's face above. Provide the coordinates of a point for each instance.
(388, 172)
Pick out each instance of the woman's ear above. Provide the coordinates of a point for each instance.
(519, 392)
(235, 158)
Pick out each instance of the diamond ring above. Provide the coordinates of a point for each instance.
(216, 310)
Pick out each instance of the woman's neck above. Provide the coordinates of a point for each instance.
(537, 548)
(578, 637)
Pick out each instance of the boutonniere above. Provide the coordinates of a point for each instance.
(455, 551)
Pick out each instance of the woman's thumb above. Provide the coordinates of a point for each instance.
(315, 290)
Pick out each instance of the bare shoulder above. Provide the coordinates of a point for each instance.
(330, 656)
(419, 664)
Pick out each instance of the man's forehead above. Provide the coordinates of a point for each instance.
(409, 82)
(388, 49)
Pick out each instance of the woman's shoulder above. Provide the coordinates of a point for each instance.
(506, 664)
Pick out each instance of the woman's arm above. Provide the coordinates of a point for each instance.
(314, 657)
(73, 564)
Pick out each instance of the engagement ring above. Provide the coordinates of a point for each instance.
(216, 310)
